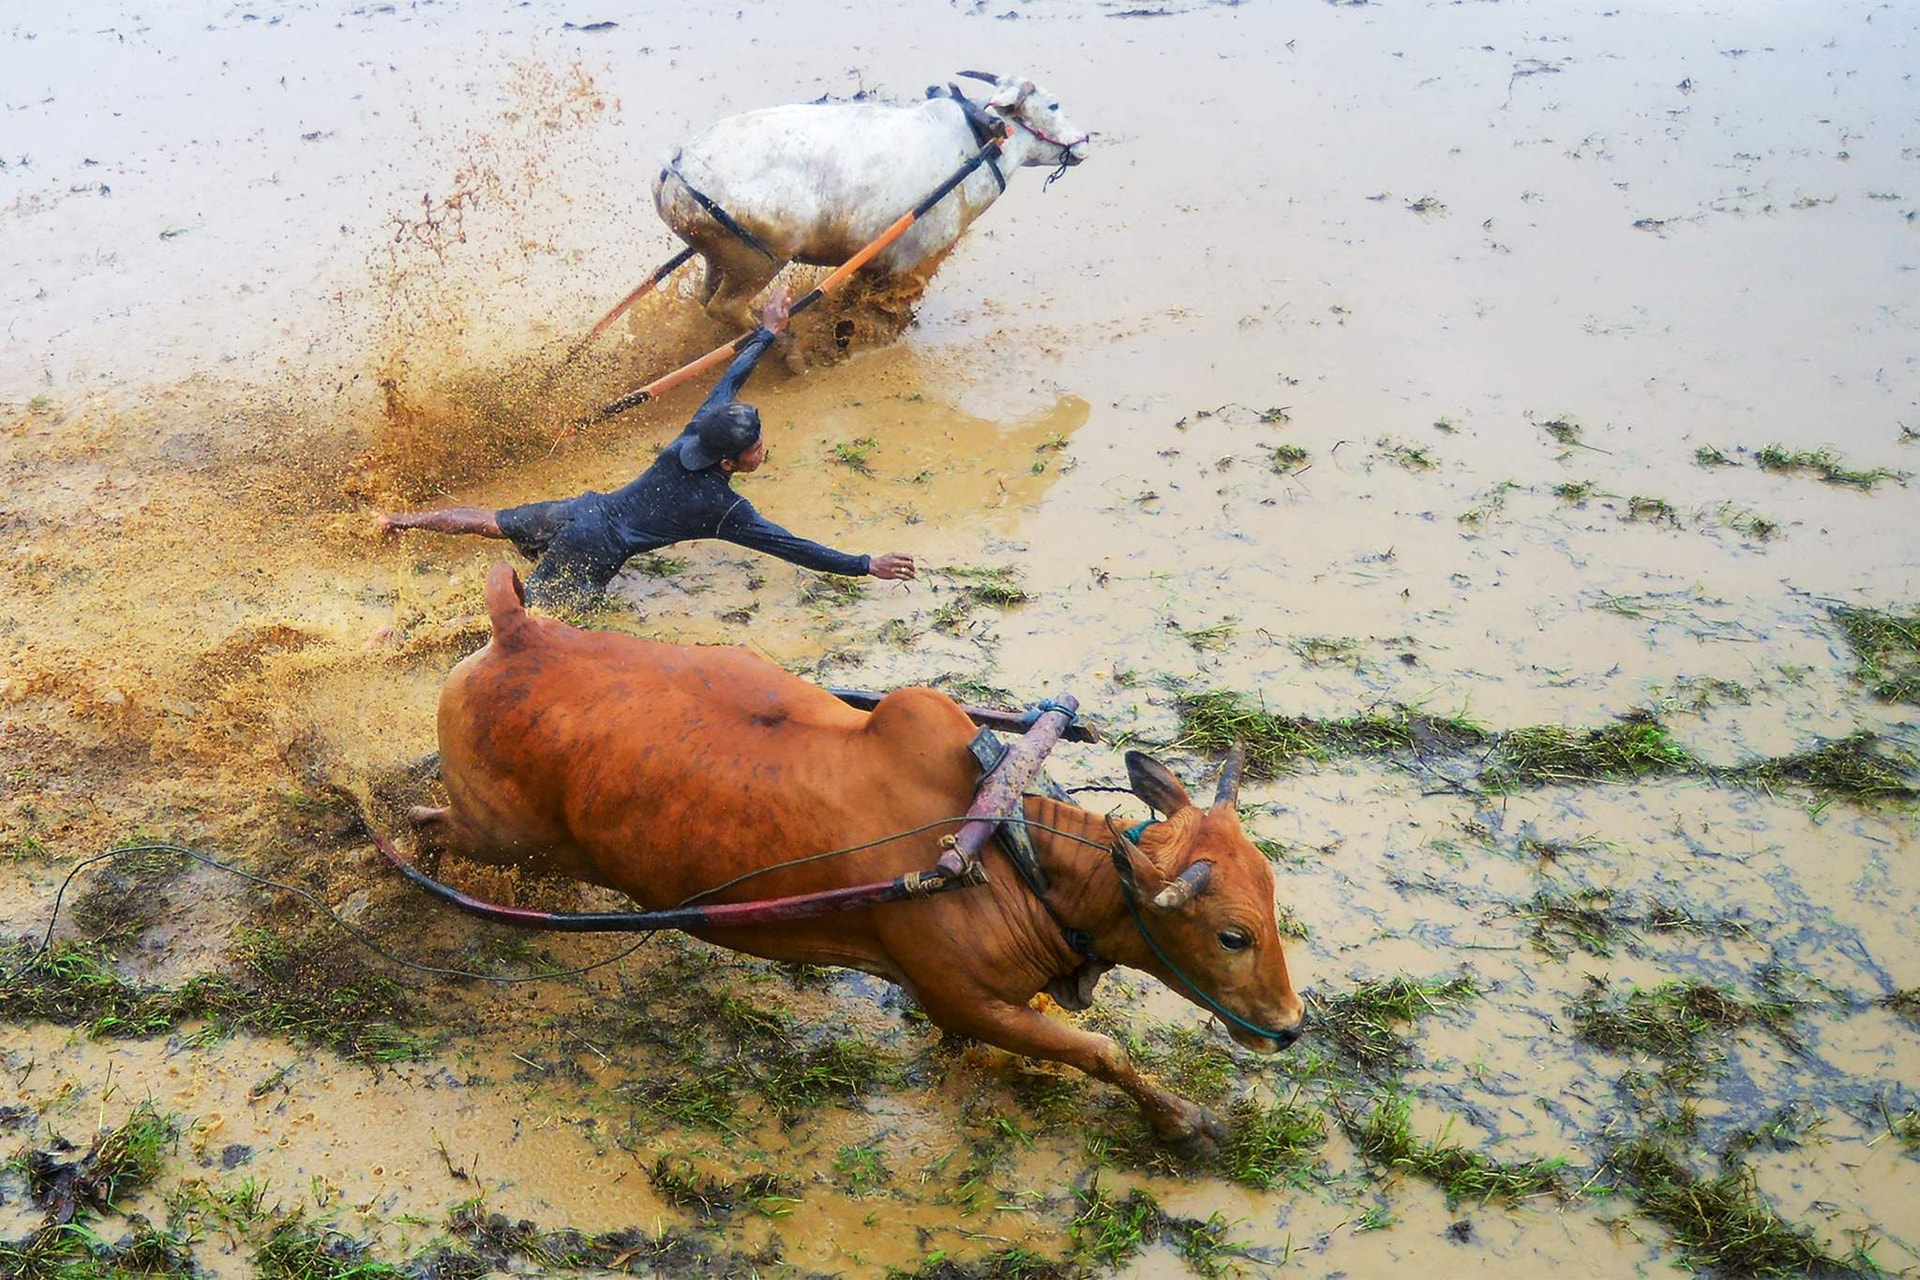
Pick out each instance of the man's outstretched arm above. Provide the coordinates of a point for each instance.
(773, 320)
(748, 528)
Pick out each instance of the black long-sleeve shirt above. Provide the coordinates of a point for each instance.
(582, 542)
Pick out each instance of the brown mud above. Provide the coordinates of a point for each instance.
(1527, 291)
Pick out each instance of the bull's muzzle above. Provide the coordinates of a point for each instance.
(1264, 1044)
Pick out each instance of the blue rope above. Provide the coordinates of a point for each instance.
(1040, 708)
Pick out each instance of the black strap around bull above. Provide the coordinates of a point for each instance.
(985, 127)
(719, 214)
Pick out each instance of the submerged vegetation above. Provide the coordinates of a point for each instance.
(1823, 462)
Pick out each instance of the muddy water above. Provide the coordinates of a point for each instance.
(266, 268)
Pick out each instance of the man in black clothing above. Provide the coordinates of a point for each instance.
(582, 542)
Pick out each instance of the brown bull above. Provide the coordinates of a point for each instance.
(663, 770)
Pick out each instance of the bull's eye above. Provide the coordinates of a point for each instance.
(1235, 939)
(1053, 106)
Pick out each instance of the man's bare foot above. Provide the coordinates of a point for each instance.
(383, 523)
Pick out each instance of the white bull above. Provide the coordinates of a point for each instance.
(817, 182)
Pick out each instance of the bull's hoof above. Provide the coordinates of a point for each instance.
(1202, 1139)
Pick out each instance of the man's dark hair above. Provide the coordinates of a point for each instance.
(724, 431)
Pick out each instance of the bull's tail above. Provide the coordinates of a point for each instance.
(507, 606)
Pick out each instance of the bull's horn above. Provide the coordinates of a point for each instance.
(1181, 890)
(988, 76)
(1230, 770)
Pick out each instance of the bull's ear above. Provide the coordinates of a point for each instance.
(1155, 783)
(1010, 94)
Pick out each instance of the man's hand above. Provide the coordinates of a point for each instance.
(773, 316)
(896, 566)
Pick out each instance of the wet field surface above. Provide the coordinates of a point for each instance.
(1498, 416)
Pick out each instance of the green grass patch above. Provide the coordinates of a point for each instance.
(1723, 1224)
(1887, 644)
(1289, 457)
(1107, 1231)
(1384, 1137)
(1575, 491)
(1273, 1146)
(1708, 456)
(298, 1250)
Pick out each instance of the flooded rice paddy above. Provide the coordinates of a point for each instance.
(1500, 416)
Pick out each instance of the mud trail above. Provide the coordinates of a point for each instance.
(1455, 389)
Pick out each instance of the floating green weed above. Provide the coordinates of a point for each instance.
(1411, 457)
(998, 585)
(853, 454)
(1682, 1023)
(1906, 1003)
(1635, 746)
(1708, 456)
(1564, 430)
(1584, 919)
(1273, 1146)
(706, 1098)
(1749, 523)
(1212, 637)
(1360, 1023)
(1857, 766)
(1215, 721)
(1317, 650)
(1384, 1136)
(1289, 457)
(1575, 491)
(832, 590)
(1652, 510)
(1823, 462)
(1887, 643)
(1722, 1223)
